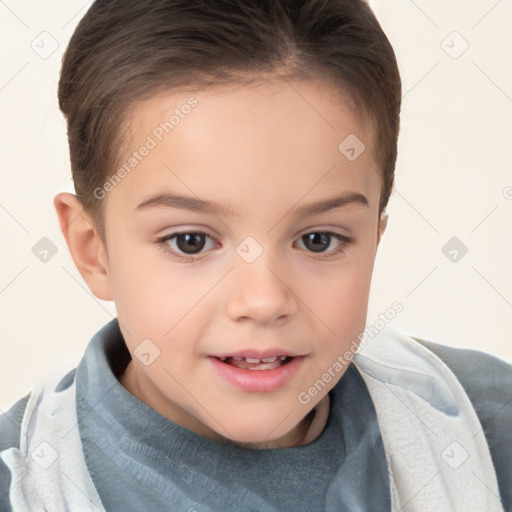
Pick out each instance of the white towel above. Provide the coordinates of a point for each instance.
(437, 455)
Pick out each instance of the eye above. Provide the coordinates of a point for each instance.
(325, 242)
(187, 243)
(190, 243)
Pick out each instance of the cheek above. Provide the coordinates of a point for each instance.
(155, 299)
(143, 293)
(342, 301)
(346, 308)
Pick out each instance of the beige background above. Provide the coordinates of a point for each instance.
(454, 179)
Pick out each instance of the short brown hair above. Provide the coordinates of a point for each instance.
(123, 51)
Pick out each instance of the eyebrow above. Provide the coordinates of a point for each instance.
(202, 206)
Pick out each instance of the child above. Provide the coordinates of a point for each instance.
(232, 162)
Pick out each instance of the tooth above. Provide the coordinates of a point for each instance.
(269, 359)
(283, 358)
(249, 360)
(222, 358)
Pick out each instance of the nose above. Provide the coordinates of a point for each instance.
(259, 293)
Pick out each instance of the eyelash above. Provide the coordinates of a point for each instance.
(344, 240)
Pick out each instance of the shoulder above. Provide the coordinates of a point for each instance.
(10, 424)
(487, 381)
(11, 428)
(478, 372)
(10, 434)
(10, 421)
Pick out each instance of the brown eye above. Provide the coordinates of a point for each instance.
(190, 243)
(325, 243)
(316, 242)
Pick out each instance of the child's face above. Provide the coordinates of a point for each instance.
(254, 284)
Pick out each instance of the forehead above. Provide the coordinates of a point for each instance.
(271, 106)
(281, 138)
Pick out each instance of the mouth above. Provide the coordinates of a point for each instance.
(257, 372)
(249, 363)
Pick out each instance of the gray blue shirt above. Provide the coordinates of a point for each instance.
(139, 460)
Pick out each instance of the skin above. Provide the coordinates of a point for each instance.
(262, 152)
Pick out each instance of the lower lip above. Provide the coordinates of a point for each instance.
(257, 381)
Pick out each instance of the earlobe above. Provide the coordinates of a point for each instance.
(84, 244)
(383, 223)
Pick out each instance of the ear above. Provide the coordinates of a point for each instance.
(84, 244)
(383, 223)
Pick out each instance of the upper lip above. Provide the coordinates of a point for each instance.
(257, 354)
